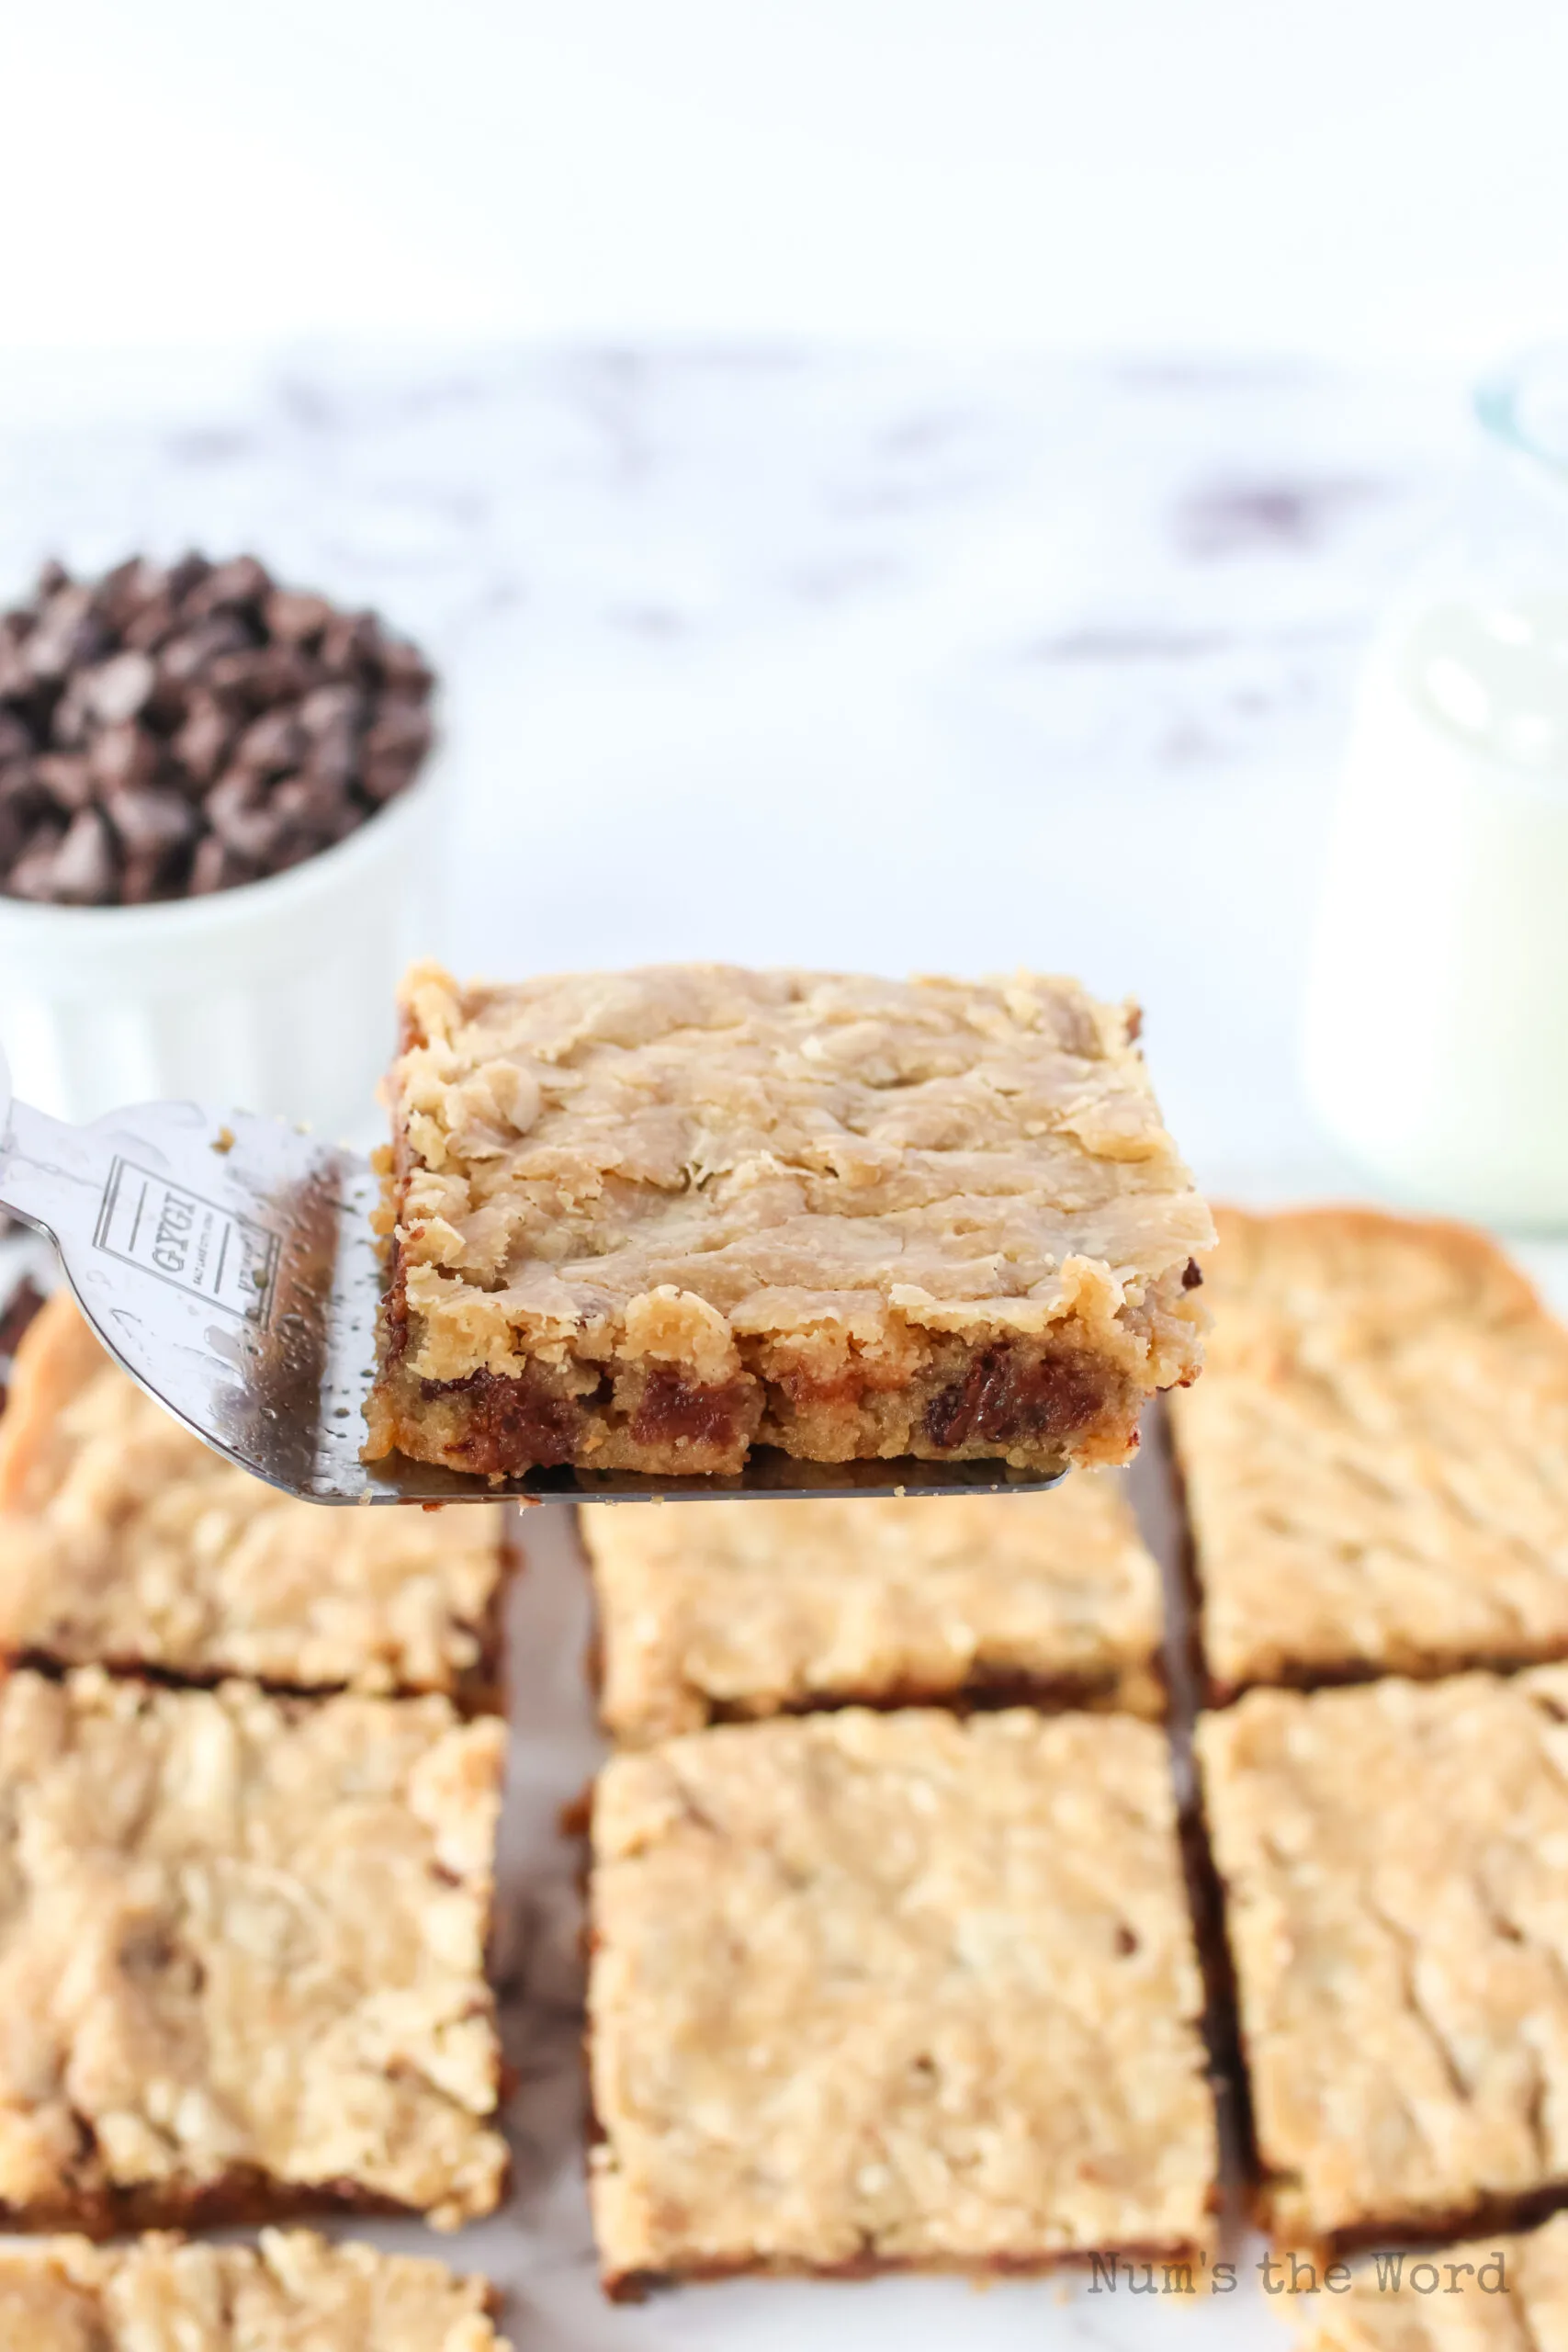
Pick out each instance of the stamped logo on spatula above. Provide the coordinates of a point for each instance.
(188, 1241)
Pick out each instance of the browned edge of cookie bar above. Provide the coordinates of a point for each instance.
(636, 2286)
(980, 1693)
(1220, 2023)
(1444, 2226)
(21, 1303)
(1185, 1625)
(480, 1689)
(1402, 1668)
(984, 1693)
(1229, 2079)
(245, 2198)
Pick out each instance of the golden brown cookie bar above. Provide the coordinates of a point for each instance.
(1497, 2294)
(292, 2291)
(643, 1220)
(125, 1542)
(909, 1991)
(717, 1610)
(241, 1955)
(1376, 1459)
(1391, 1859)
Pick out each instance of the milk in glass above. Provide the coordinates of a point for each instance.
(1436, 1016)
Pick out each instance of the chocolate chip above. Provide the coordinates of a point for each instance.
(118, 688)
(201, 745)
(272, 744)
(327, 706)
(294, 618)
(315, 805)
(186, 657)
(237, 813)
(70, 723)
(228, 587)
(16, 678)
(216, 868)
(20, 790)
(262, 674)
(348, 643)
(123, 758)
(146, 874)
(84, 864)
(150, 630)
(152, 822)
(192, 727)
(332, 760)
(187, 576)
(66, 777)
(393, 747)
(69, 634)
(405, 669)
(15, 826)
(125, 593)
(32, 876)
(332, 717)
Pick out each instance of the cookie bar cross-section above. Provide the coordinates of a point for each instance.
(717, 1610)
(641, 1221)
(894, 1991)
(242, 1955)
(1376, 1458)
(293, 2292)
(125, 1541)
(1393, 1864)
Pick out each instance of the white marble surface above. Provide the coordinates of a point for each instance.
(889, 660)
(896, 661)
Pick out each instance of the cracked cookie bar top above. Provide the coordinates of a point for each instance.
(715, 1609)
(878, 1992)
(241, 1955)
(125, 1542)
(642, 1221)
(1391, 1857)
(1376, 1458)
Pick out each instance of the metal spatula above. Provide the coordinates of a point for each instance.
(229, 1264)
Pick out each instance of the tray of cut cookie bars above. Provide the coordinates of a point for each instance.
(729, 1913)
(818, 1820)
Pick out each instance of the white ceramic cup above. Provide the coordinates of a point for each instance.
(275, 997)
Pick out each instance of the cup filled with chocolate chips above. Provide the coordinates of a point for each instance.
(214, 838)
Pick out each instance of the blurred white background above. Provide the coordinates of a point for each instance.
(1366, 178)
(885, 485)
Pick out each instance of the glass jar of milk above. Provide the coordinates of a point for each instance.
(1437, 1014)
